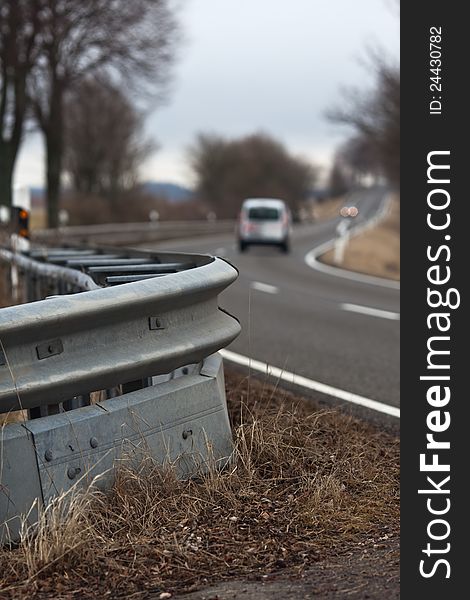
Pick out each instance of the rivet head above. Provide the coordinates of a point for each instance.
(48, 455)
(72, 472)
(93, 442)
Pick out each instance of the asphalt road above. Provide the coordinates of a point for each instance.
(306, 321)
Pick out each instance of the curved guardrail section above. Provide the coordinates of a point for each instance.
(70, 345)
(143, 339)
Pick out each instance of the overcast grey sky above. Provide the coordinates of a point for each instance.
(257, 65)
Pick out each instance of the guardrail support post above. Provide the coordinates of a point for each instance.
(76, 402)
(138, 384)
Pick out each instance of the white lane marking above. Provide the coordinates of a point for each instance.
(310, 384)
(374, 312)
(312, 261)
(264, 287)
(311, 258)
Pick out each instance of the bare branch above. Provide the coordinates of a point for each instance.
(104, 140)
(375, 115)
(132, 44)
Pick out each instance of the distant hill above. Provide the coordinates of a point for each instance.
(172, 191)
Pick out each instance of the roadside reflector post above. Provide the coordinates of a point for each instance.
(342, 237)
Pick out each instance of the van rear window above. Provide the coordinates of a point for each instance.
(263, 213)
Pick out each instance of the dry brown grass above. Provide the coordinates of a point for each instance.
(305, 484)
(376, 251)
(15, 416)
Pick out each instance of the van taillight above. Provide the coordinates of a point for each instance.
(246, 225)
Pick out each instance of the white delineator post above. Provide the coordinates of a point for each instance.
(342, 237)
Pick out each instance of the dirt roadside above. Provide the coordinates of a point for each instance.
(309, 510)
(361, 573)
(366, 568)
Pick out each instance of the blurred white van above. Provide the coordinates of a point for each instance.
(264, 221)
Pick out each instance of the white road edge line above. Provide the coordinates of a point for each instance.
(311, 258)
(374, 312)
(310, 384)
(264, 287)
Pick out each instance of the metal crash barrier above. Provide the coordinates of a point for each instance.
(127, 368)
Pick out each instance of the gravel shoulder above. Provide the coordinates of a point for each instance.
(365, 572)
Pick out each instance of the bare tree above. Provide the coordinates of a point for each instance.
(20, 23)
(338, 181)
(228, 171)
(104, 139)
(134, 42)
(375, 116)
(359, 160)
(354, 162)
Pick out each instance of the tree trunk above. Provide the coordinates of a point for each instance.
(54, 149)
(6, 175)
(54, 168)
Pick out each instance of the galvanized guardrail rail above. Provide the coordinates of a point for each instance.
(127, 367)
(120, 234)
